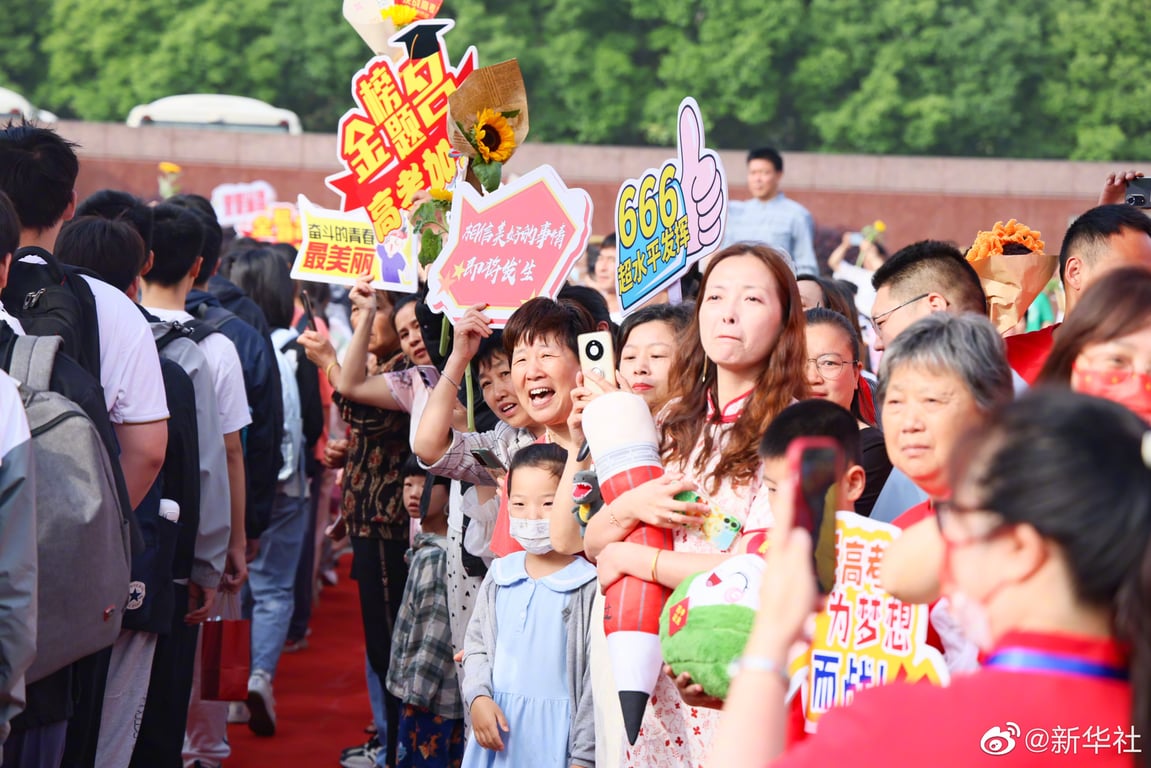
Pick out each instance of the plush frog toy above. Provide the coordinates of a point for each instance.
(706, 621)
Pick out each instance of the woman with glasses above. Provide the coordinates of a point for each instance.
(1104, 347)
(1047, 560)
(834, 373)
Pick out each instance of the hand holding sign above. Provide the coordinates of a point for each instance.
(704, 184)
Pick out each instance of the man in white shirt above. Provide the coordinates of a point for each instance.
(770, 217)
(177, 236)
(38, 171)
(177, 241)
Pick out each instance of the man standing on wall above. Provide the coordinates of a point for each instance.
(770, 217)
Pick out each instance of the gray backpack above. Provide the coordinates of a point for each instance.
(82, 538)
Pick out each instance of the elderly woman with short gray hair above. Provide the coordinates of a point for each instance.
(941, 376)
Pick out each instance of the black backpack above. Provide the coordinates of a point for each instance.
(53, 299)
(168, 546)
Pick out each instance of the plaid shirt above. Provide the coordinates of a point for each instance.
(459, 464)
(421, 671)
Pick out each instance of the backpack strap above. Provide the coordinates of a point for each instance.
(175, 331)
(54, 267)
(200, 329)
(32, 360)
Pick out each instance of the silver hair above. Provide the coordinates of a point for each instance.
(964, 344)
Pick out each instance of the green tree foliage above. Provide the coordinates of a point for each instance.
(1034, 78)
(22, 60)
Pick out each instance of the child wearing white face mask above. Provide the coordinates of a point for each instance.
(526, 673)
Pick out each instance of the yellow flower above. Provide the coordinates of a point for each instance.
(167, 167)
(400, 15)
(880, 226)
(439, 193)
(495, 139)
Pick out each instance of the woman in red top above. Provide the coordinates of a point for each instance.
(1047, 551)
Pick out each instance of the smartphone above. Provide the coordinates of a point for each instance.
(488, 458)
(1139, 193)
(597, 354)
(307, 302)
(818, 464)
(856, 239)
(719, 528)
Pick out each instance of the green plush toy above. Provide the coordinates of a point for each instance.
(705, 623)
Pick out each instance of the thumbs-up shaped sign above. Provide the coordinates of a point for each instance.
(704, 182)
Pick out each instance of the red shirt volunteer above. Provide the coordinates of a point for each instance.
(1041, 699)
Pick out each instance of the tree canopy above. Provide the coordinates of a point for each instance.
(1035, 78)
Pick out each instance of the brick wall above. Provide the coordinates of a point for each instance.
(918, 197)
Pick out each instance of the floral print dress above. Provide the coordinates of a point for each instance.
(673, 734)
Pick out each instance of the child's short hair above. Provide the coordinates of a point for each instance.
(411, 468)
(547, 456)
(812, 418)
(489, 349)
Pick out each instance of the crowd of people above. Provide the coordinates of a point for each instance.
(239, 430)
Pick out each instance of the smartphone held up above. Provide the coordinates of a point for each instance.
(817, 463)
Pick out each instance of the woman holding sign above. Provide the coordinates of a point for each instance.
(1046, 542)
(743, 364)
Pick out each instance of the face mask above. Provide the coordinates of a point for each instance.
(971, 616)
(1134, 392)
(968, 613)
(533, 535)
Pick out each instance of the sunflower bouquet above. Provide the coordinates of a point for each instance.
(489, 120)
(1013, 267)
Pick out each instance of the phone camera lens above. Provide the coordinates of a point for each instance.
(594, 350)
(1138, 201)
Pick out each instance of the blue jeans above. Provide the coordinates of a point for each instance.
(379, 712)
(271, 581)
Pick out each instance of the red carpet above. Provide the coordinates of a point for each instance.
(321, 699)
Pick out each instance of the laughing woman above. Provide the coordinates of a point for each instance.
(742, 364)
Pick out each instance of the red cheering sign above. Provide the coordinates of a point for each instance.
(512, 245)
(395, 142)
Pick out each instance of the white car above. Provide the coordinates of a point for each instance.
(212, 110)
(13, 105)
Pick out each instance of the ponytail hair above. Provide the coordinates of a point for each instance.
(1076, 469)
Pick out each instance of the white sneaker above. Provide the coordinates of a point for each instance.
(238, 712)
(261, 704)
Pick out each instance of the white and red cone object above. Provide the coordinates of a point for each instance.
(625, 448)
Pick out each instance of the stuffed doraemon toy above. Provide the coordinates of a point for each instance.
(707, 620)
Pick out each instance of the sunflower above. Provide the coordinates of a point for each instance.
(495, 140)
(439, 193)
(400, 15)
(168, 167)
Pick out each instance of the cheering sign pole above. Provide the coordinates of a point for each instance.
(670, 217)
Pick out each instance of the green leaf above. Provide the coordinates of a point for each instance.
(430, 246)
(467, 135)
(511, 113)
(489, 174)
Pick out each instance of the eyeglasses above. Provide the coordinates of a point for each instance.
(830, 366)
(945, 513)
(878, 320)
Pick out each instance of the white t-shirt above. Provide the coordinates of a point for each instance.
(227, 374)
(129, 362)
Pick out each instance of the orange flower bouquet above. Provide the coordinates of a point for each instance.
(1014, 268)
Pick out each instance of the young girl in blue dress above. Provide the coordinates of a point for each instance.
(526, 674)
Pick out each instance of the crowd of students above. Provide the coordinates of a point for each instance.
(228, 415)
